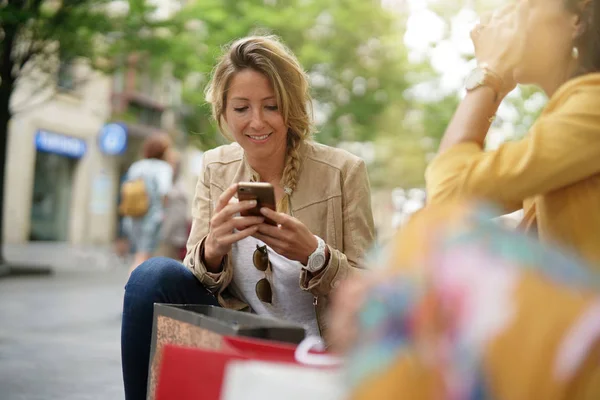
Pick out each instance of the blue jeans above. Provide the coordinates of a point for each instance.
(158, 280)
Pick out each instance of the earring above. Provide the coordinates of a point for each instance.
(575, 53)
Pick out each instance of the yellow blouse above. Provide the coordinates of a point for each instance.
(553, 173)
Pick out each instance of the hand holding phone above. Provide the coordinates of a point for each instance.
(264, 195)
(227, 227)
(283, 233)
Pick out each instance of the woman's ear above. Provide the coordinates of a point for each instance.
(578, 28)
(579, 22)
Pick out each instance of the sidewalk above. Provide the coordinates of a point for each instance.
(60, 333)
(62, 256)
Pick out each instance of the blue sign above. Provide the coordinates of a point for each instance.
(67, 146)
(113, 139)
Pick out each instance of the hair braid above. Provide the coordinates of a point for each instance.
(290, 171)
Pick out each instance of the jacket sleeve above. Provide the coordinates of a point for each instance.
(561, 148)
(358, 234)
(202, 209)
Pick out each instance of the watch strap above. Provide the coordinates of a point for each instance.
(317, 259)
(490, 79)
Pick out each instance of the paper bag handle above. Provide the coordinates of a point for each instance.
(303, 355)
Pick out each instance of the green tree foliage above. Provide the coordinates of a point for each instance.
(351, 49)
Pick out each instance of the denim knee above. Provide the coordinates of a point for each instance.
(159, 273)
(162, 279)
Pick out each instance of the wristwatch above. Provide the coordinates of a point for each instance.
(317, 259)
(483, 76)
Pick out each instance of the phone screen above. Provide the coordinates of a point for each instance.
(263, 193)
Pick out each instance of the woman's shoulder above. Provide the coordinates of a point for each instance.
(225, 154)
(331, 157)
(580, 95)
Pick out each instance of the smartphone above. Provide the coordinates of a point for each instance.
(263, 193)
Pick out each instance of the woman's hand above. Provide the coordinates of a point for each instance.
(499, 41)
(290, 238)
(226, 228)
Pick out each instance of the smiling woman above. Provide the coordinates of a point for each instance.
(260, 99)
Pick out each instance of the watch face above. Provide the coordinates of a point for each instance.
(475, 79)
(317, 262)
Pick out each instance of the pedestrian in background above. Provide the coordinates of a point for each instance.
(176, 222)
(143, 196)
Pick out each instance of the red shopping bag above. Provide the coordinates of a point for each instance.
(192, 373)
(260, 348)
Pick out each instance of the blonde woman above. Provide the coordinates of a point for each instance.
(260, 99)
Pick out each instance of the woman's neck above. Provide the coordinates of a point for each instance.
(552, 82)
(270, 170)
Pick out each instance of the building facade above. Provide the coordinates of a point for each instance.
(70, 144)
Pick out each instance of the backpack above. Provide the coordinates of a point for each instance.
(135, 198)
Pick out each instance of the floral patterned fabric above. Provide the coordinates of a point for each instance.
(472, 311)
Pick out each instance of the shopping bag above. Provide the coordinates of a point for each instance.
(313, 375)
(188, 373)
(263, 380)
(205, 327)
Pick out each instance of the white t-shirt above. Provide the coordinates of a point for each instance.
(290, 302)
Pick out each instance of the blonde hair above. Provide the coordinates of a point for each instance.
(270, 57)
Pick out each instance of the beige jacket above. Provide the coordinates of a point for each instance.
(332, 199)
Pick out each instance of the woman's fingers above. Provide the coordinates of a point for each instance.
(229, 211)
(225, 197)
(239, 223)
(502, 12)
(278, 245)
(236, 236)
(521, 16)
(236, 207)
(272, 231)
(485, 18)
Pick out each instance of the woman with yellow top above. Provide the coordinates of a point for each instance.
(554, 172)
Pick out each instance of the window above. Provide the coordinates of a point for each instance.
(144, 84)
(50, 208)
(146, 115)
(66, 78)
(118, 82)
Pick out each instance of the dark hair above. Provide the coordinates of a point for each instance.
(156, 146)
(588, 40)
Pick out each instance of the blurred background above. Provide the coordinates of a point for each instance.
(83, 82)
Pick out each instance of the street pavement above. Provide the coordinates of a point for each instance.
(59, 333)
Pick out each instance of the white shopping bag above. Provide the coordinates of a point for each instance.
(261, 380)
(258, 380)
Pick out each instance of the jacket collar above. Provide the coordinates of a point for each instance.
(246, 173)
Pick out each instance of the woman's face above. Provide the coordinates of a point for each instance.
(252, 116)
(548, 40)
